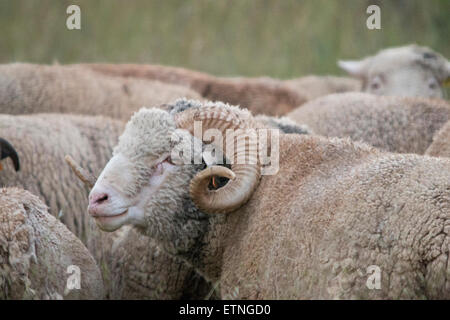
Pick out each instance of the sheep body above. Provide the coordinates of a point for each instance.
(441, 143)
(308, 241)
(403, 125)
(29, 88)
(37, 253)
(317, 86)
(260, 95)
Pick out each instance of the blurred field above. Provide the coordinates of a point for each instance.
(283, 39)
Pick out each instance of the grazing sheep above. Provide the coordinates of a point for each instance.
(402, 71)
(42, 141)
(334, 211)
(260, 95)
(317, 86)
(29, 88)
(39, 257)
(396, 124)
(441, 143)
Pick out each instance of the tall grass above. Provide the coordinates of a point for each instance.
(283, 38)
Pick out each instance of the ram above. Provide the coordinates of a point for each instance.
(29, 88)
(335, 209)
(396, 124)
(42, 141)
(409, 70)
(441, 143)
(39, 257)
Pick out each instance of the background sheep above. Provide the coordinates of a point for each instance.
(42, 141)
(260, 95)
(404, 125)
(402, 71)
(312, 230)
(37, 252)
(441, 143)
(317, 86)
(29, 88)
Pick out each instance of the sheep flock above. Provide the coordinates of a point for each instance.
(128, 181)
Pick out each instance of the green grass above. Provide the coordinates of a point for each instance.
(283, 38)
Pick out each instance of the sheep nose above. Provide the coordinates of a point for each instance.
(98, 198)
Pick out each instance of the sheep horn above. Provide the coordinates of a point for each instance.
(87, 178)
(7, 150)
(244, 178)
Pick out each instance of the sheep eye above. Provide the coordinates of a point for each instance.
(428, 55)
(375, 84)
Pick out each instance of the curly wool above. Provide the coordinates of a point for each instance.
(36, 251)
(441, 143)
(29, 88)
(310, 231)
(403, 125)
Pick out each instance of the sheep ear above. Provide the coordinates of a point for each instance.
(356, 68)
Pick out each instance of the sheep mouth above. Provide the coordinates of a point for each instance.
(109, 216)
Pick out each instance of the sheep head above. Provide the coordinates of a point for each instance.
(151, 183)
(403, 71)
(8, 151)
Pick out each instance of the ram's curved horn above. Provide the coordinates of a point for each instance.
(87, 178)
(8, 151)
(244, 178)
